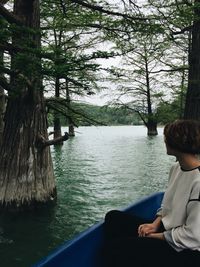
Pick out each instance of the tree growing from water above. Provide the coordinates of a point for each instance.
(142, 82)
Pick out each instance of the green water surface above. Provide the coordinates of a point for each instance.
(102, 168)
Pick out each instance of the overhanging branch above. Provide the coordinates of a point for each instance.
(108, 12)
(170, 70)
(42, 142)
(63, 102)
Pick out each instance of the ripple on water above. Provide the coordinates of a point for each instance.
(102, 168)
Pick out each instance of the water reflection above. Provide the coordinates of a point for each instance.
(23, 236)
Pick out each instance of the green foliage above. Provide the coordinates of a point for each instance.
(166, 112)
(111, 115)
(172, 110)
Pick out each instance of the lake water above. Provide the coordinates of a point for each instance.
(102, 168)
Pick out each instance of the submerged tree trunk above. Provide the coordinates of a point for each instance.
(151, 122)
(151, 127)
(26, 170)
(57, 123)
(70, 122)
(71, 128)
(192, 106)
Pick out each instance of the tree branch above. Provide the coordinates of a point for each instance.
(105, 11)
(141, 117)
(9, 16)
(42, 142)
(171, 70)
(186, 29)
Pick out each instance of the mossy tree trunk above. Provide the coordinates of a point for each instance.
(26, 171)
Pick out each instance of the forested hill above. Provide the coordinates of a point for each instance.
(84, 114)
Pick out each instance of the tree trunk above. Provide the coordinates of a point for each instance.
(152, 127)
(71, 128)
(151, 122)
(70, 122)
(57, 123)
(26, 169)
(2, 104)
(192, 106)
(57, 127)
(182, 93)
(2, 110)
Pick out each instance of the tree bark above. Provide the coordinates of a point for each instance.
(192, 105)
(26, 169)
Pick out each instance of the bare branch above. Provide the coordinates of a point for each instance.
(42, 142)
(171, 70)
(105, 11)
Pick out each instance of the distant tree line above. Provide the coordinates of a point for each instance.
(109, 116)
(99, 115)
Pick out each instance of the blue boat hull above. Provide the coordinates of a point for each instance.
(83, 250)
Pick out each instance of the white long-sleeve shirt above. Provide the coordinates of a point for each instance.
(180, 209)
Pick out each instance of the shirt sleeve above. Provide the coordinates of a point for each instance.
(187, 236)
(159, 211)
